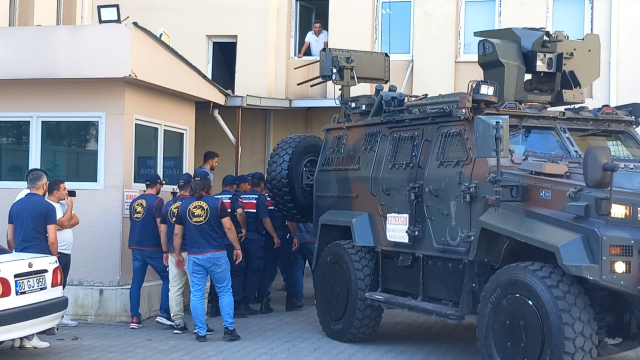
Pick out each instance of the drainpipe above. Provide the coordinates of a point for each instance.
(268, 137)
(613, 57)
(223, 125)
(406, 77)
(238, 145)
(83, 13)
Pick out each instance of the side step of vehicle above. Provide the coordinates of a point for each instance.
(445, 312)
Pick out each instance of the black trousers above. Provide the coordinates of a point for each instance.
(237, 278)
(253, 254)
(282, 256)
(65, 264)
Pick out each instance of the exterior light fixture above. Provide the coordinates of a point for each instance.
(109, 14)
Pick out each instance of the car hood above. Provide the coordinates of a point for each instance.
(19, 256)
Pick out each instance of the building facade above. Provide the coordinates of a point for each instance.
(226, 75)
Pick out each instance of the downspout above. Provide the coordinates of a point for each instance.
(406, 77)
(223, 125)
(83, 13)
(613, 56)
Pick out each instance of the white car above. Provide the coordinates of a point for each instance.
(31, 299)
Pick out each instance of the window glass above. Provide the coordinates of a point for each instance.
(478, 15)
(542, 141)
(622, 144)
(172, 156)
(14, 150)
(70, 150)
(145, 152)
(568, 16)
(395, 30)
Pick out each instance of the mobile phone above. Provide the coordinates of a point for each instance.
(71, 193)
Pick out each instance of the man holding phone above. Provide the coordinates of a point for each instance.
(62, 200)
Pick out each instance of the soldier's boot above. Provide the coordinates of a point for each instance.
(239, 311)
(265, 307)
(293, 304)
(248, 309)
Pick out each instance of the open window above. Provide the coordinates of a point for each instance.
(304, 14)
(223, 52)
(394, 28)
(475, 15)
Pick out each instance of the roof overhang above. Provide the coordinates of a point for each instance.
(99, 52)
(259, 102)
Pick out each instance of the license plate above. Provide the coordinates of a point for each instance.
(26, 286)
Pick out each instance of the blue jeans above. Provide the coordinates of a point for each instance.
(304, 254)
(141, 260)
(216, 265)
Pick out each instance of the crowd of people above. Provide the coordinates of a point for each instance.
(227, 246)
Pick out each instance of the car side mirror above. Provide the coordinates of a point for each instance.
(598, 167)
(487, 127)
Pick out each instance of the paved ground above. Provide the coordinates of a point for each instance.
(280, 335)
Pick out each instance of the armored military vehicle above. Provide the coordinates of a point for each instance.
(484, 202)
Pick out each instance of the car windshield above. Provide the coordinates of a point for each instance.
(622, 144)
(539, 140)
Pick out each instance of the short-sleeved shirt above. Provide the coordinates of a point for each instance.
(143, 213)
(30, 217)
(169, 215)
(207, 170)
(316, 43)
(305, 232)
(255, 209)
(21, 194)
(202, 221)
(65, 236)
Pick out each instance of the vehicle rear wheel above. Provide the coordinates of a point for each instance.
(344, 275)
(534, 310)
(290, 176)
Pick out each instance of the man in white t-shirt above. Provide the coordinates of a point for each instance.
(67, 219)
(317, 39)
(26, 191)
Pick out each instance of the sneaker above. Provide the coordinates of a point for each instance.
(15, 344)
(201, 338)
(180, 328)
(164, 319)
(34, 343)
(209, 331)
(230, 334)
(66, 321)
(135, 323)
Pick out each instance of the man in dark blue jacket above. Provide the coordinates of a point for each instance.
(146, 249)
(205, 221)
(236, 213)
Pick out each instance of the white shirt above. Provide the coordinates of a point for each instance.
(21, 194)
(316, 43)
(65, 236)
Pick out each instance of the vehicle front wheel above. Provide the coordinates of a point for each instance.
(344, 276)
(534, 310)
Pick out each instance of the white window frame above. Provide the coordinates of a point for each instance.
(471, 57)
(220, 39)
(35, 143)
(588, 11)
(378, 30)
(294, 31)
(161, 126)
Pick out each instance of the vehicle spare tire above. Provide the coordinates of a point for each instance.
(290, 176)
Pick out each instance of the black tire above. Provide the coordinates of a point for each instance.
(294, 157)
(534, 310)
(343, 277)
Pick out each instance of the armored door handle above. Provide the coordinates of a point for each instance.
(432, 192)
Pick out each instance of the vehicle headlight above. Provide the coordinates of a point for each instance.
(619, 211)
(620, 267)
(486, 89)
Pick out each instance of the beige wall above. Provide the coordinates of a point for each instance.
(399, 72)
(534, 16)
(308, 72)
(627, 56)
(45, 12)
(4, 13)
(97, 246)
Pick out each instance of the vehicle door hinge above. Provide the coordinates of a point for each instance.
(468, 236)
(469, 190)
(414, 190)
(413, 231)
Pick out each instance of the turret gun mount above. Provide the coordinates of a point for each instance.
(559, 69)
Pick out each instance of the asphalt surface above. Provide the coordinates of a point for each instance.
(279, 335)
